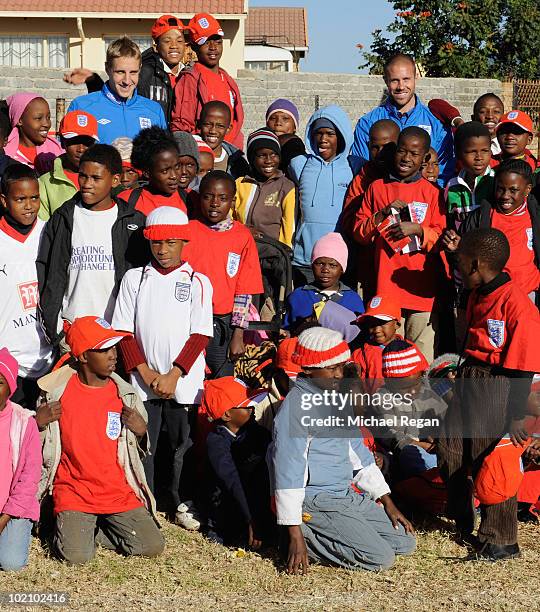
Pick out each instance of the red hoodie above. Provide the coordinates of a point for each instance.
(199, 86)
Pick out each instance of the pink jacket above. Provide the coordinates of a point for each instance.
(26, 450)
(46, 153)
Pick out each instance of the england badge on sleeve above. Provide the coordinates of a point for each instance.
(114, 425)
(181, 291)
(496, 332)
(233, 263)
(529, 238)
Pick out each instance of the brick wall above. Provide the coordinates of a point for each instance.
(357, 94)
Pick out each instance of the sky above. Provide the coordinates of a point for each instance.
(335, 27)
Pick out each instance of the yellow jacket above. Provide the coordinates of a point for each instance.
(268, 206)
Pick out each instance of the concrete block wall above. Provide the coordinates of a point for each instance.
(357, 94)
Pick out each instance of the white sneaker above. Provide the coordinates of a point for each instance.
(186, 517)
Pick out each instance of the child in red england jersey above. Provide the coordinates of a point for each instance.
(516, 213)
(167, 364)
(91, 451)
(492, 388)
(407, 266)
(225, 251)
(383, 136)
(155, 154)
(206, 81)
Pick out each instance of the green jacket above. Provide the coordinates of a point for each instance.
(54, 189)
(130, 449)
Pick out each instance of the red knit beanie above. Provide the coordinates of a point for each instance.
(402, 358)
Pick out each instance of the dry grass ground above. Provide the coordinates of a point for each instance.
(194, 574)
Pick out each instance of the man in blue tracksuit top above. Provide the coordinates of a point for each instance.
(119, 110)
(404, 107)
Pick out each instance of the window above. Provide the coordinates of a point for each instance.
(34, 51)
(274, 66)
(144, 42)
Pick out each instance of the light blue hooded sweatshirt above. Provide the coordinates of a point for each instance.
(321, 185)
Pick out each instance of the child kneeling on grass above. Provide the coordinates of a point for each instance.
(165, 357)
(326, 519)
(92, 452)
(20, 458)
(238, 485)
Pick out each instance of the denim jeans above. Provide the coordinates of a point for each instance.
(14, 544)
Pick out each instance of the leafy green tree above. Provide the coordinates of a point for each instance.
(467, 38)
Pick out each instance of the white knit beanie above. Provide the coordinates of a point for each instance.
(319, 347)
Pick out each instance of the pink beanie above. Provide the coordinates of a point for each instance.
(17, 104)
(9, 368)
(332, 245)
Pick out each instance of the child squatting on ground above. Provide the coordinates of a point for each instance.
(360, 533)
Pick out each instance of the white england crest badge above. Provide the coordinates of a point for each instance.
(233, 263)
(114, 425)
(145, 122)
(529, 238)
(496, 332)
(418, 211)
(375, 302)
(82, 120)
(181, 291)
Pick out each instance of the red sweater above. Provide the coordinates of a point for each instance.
(414, 279)
(148, 201)
(230, 260)
(194, 90)
(504, 329)
(355, 193)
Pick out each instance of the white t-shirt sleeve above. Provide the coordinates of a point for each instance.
(201, 306)
(124, 311)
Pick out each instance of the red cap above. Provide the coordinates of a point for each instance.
(518, 118)
(284, 355)
(383, 308)
(202, 26)
(78, 123)
(222, 394)
(91, 334)
(165, 23)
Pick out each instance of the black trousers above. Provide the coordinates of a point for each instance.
(217, 351)
(175, 421)
(27, 393)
